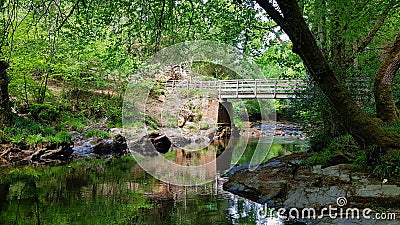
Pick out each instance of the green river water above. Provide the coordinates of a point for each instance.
(118, 191)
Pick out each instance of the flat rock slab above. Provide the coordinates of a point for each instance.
(282, 183)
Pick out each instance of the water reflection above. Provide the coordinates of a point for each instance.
(206, 205)
(118, 191)
(236, 152)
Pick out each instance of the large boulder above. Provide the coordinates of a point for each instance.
(116, 146)
(184, 115)
(161, 143)
(151, 144)
(63, 152)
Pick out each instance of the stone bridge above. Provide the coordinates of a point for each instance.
(255, 89)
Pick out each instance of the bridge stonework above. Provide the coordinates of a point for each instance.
(225, 113)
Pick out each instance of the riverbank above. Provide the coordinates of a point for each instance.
(96, 140)
(287, 182)
(271, 128)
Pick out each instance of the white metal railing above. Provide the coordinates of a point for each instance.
(245, 88)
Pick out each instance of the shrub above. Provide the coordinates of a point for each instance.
(389, 166)
(47, 130)
(239, 124)
(151, 122)
(77, 124)
(63, 137)
(44, 112)
(17, 139)
(34, 139)
(204, 126)
(97, 133)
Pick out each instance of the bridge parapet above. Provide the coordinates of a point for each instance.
(245, 88)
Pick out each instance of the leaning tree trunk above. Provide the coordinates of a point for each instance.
(386, 109)
(365, 130)
(4, 98)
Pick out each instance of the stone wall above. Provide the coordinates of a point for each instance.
(225, 113)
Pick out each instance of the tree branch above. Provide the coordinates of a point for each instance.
(268, 28)
(385, 105)
(69, 15)
(395, 48)
(371, 34)
(271, 11)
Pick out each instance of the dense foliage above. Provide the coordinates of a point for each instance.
(69, 62)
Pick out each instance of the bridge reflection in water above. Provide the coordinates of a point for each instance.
(181, 166)
(217, 154)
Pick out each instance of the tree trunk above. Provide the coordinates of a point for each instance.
(386, 109)
(4, 98)
(365, 130)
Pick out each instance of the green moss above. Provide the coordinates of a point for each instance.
(337, 146)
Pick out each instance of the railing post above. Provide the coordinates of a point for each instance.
(219, 89)
(255, 90)
(237, 88)
(276, 83)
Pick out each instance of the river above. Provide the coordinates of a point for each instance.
(118, 191)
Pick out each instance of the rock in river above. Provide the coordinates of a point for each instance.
(116, 146)
(161, 143)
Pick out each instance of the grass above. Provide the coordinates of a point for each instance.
(238, 123)
(204, 125)
(97, 133)
(25, 131)
(337, 146)
(74, 123)
(170, 155)
(34, 139)
(48, 123)
(388, 166)
(395, 128)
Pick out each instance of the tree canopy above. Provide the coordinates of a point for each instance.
(57, 50)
